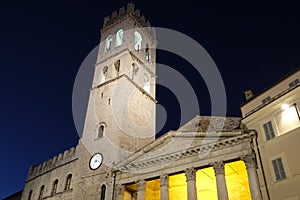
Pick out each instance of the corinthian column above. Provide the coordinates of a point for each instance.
(252, 176)
(164, 187)
(191, 183)
(221, 182)
(119, 192)
(141, 194)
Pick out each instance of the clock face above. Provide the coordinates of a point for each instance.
(96, 161)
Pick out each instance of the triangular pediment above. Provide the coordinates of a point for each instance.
(184, 143)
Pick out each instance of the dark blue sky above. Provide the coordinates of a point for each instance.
(43, 44)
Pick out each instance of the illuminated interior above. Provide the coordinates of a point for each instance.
(177, 187)
(287, 120)
(236, 180)
(153, 190)
(206, 184)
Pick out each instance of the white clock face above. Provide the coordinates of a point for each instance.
(96, 161)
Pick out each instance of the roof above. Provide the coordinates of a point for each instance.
(211, 123)
(272, 85)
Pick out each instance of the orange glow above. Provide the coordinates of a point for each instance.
(153, 190)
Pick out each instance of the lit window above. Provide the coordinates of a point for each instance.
(148, 53)
(100, 131)
(294, 83)
(103, 189)
(146, 83)
(266, 100)
(137, 41)
(269, 130)
(41, 192)
(54, 188)
(119, 37)
(287, 119)
(108, 43)
(29, 195)
(278, 169)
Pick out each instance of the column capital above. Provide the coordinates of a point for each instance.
(190, 174)
(164, 180)
(141, 185)
(249, 160)
(119, 189)
(218, 167)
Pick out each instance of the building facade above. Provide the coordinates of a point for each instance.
(274, 114)
(118, 156)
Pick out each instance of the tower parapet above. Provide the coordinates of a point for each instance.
(130, 10)
(57, 161)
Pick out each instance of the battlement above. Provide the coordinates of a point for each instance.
(61, 159)
(129, 11)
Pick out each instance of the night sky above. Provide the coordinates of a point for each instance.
(43, 44)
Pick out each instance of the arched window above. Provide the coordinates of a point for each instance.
(117, 65)
(103, 189)
(108, 43)
(148, 53)
(41, 192)
(54, 188)
(29, 195)
(146, 83)
(135, 69)
(68, 182)
(101, 131)
(137, 41)
(119, 37)
(104, 73)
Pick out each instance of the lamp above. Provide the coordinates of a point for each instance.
(284, 106)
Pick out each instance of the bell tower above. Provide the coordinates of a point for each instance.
(120, 118)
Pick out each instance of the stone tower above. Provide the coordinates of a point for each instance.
(120, 118)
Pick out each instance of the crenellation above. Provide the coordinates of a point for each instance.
(114, 15)
(122, 12)
(54, 159)
(137, 13)
(58, 160)
(130, 8)
(129, 11)
(60, 156)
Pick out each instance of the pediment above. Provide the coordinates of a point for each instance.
(184, 143)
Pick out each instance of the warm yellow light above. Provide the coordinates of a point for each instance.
(236, 181)
(178, 187)
(284, 106)
(153, 190)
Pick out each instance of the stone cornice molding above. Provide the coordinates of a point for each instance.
(194, 151)
(125, 76)
(133, 56)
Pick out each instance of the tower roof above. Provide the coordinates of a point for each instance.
(123, 13)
